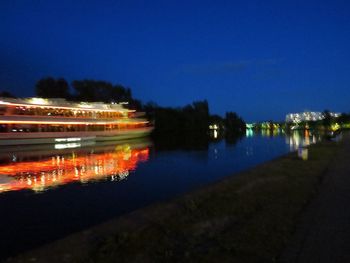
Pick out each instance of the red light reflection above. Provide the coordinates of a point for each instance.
(41, 175)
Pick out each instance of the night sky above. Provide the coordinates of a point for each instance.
(261, 59)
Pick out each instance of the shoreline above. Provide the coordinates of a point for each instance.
(229, 219)
(323, 231)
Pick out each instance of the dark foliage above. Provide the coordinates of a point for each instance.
(327, 119)
(192, 118)
(86, 90)
(94, 90)
(52, 88)
(344, 118)
(234, 124)
(6, 94)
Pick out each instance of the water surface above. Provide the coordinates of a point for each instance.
(47, 192)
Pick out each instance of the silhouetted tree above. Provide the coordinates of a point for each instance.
(234, 124)
(201, 110)
(62, 88)
(150, 110)
(92, 90)
(327, 119)
(52, 88)
(344, 118)
(191, 119)
(6, 94)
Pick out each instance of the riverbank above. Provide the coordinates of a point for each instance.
(247, 218)
(323, 231)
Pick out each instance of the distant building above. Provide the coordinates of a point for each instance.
(308, 116)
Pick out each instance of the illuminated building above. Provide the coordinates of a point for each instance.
(37, 121)
(307, 116)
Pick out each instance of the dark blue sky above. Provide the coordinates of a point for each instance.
(261, 59)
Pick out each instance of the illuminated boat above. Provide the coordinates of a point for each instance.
(44, 121)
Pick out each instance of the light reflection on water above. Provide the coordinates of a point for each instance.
(94, 164)
(296, 139)
(58, 166)
(300, 139)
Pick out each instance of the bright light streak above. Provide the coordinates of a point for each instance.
(67, 139)
(39, 101)
(67, 145)
(79, 107)
(70, 122)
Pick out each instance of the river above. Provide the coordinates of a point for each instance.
(47, 192)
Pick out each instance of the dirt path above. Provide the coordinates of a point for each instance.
(323, 234)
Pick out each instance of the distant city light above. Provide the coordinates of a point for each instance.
(213, 127)
(308, 116)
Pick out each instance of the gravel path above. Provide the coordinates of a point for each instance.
(323, 234)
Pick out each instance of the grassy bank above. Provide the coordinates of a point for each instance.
(244, 218)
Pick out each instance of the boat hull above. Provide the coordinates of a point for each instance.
(23, 138)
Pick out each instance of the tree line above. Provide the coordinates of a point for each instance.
(194, 118)
(85, 90)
